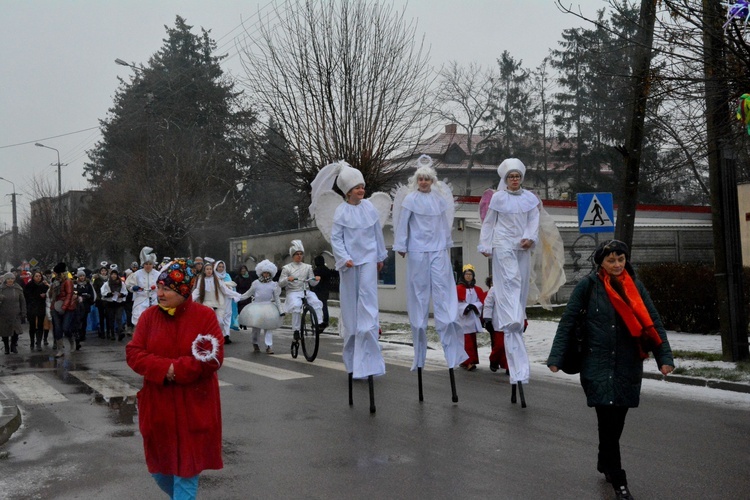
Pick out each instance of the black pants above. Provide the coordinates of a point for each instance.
(113, 317)
(611, 420)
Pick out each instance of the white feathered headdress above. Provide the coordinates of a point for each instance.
(424, 169)
(324, 200)
(266, 266)
(297, 246)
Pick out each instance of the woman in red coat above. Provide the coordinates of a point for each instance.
(178, 348)
(470, 300)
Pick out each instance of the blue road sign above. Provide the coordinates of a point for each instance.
(595, 213)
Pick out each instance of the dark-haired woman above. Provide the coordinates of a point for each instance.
(35, 293)
(622, 327)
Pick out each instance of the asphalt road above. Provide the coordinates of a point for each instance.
(290, 433)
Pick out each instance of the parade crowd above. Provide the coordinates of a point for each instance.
(178, 345)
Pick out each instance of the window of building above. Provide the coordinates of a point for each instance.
(387, 275)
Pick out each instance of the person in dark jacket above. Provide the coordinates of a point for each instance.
(244, 280)
(85, 297)
(324, 287)
(35, 293)
(622, 326)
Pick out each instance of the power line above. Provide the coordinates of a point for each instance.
(48, 138)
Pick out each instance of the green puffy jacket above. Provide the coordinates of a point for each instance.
(612, 368)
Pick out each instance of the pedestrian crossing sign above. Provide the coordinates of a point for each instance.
(595, 213)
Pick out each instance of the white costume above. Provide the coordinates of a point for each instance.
(357, 236)
(142, 285)
(295, 290)
(264, 313)
(512, 216)
(218, 304)
(355, 233)
(423, 232)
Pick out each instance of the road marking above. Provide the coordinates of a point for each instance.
(263, 370)
(32, 389)
(106, 385)
(333, 365)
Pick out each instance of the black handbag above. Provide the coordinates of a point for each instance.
(576, 348)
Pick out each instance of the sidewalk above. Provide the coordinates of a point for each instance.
(10, 417)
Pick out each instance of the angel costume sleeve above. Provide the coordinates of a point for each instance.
(352, 235)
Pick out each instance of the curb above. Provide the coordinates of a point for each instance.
(10, 420)
(700, 382)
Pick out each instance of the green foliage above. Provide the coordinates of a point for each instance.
(166, 171)
(685, 295)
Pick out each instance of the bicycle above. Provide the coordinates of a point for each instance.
(309, 335)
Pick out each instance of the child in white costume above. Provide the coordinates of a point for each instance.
(509, 231)
(356, 237)
(293, 278)
(423, 222)
(142, 284)
(264, 313)
(212, 292)
(230, 306)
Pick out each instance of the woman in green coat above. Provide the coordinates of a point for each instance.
(622, 327)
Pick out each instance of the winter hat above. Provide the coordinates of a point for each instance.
(266, 266)
(507, 166)
(178, 276)
(134, 264)
(80, 273)
(296, 247)
(348, 178)
(60, 268)
(8, 276)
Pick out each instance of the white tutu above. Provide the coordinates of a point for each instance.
(263, 315)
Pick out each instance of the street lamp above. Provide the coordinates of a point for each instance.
(125, 63)
(15, 221)
(59, 180)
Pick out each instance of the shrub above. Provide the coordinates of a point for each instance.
(685, 295)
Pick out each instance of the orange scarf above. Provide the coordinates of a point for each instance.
(634, 315)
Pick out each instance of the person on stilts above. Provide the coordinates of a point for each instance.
(509, 231)
(356, 237)
(423, 221)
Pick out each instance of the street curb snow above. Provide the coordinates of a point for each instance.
(700, 382)
(10, 420)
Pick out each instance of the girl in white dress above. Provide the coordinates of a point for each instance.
(264, 314)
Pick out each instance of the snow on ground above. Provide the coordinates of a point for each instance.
(538, 337)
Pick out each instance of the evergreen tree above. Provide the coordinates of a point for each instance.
(166, 171)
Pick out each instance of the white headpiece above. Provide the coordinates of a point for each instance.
(424, 170)
(507, 166)
(208, 260)
(147, 255)
(113, 267)
(296, 247)
(265, 266)
(348, 178)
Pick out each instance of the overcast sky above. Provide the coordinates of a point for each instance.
(58, 73)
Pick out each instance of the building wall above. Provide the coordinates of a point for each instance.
(659, 237)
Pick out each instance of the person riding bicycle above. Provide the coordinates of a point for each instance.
(264, 312)
(293, 278)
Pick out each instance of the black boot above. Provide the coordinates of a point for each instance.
(7, 346)
(31, 341)
(46, 337)
(14, 343)
(620, 485)
(38, 335)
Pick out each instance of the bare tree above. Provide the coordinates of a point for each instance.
(342, 79)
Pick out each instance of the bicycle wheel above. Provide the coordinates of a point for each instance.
(309, 333)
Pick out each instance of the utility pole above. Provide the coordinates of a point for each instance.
(59, 184)
(14, 228)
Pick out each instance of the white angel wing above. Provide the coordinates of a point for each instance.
(547, 262)
(446, 191)
(398, 199)
(325, 207)
(382, 202)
